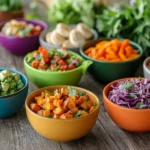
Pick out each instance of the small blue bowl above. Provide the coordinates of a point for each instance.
(12, 103)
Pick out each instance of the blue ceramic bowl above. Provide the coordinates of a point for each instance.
(12, 103)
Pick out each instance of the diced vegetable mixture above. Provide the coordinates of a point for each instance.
(53, 60)
(132, 93)
(20, 29)
(10, 83)
(113, 51)
(63, 103)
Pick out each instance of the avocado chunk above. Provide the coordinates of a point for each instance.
(16, 76)
(4, 74)
(5, 86)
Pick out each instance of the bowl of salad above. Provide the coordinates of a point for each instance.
(146, 68)
(62, 113)
(13, 91)
(21, 36)
(127, 102)
(112, 58)
(55, 67)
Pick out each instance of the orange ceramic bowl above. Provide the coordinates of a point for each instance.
(134, 120)
(62, 130)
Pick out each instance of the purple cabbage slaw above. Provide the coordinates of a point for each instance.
(131, 93)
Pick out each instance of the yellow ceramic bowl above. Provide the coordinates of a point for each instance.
(59, 129)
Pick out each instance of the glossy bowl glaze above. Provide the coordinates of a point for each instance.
(22, 46)
(133, 120)
(145, 69)
(109, 71)
(50, 46)
(47, 78)
(12, 103)
(62, 130)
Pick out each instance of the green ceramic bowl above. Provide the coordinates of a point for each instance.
(109, 71)
(46, 78)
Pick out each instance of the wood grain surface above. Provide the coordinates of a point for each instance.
(17, 134)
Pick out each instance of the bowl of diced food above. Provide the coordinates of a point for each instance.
(112, 58)
(62, 113)
(127, 102)
(146, 68)
(21, 36)
(71, 37)
(55, 67)
(13, 91)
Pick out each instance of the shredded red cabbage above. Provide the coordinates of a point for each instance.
(133, 93)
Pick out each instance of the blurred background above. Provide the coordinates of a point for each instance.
(110, 18)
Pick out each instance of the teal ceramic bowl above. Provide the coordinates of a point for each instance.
(109, 71)
(47, 78)
(12, 103)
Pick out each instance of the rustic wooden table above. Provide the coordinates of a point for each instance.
(17, 134)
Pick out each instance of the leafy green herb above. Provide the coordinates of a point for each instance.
(49, 92)
(10, 5)
(83, 93)
(139, 105)
(72, 12)
(132, 95)
(128, 86)
(72, 91)
(120, 20)
(49, 117)
(78, 113)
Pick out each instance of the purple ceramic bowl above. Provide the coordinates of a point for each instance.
(22, 46)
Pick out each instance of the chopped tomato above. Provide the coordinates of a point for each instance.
(56, 58)
(63, 67)
(42, 66)
(61, 62)
(35, 64)
(71, 66)
(44, 53)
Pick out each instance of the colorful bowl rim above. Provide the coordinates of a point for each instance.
(105, 62)
(22, 75)
(144, 65)
(71, 119)
(44, 24)
(57, 46)
(41, 71)
(105, 97)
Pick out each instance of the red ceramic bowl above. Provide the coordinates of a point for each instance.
(133, 120)
(22, 46)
